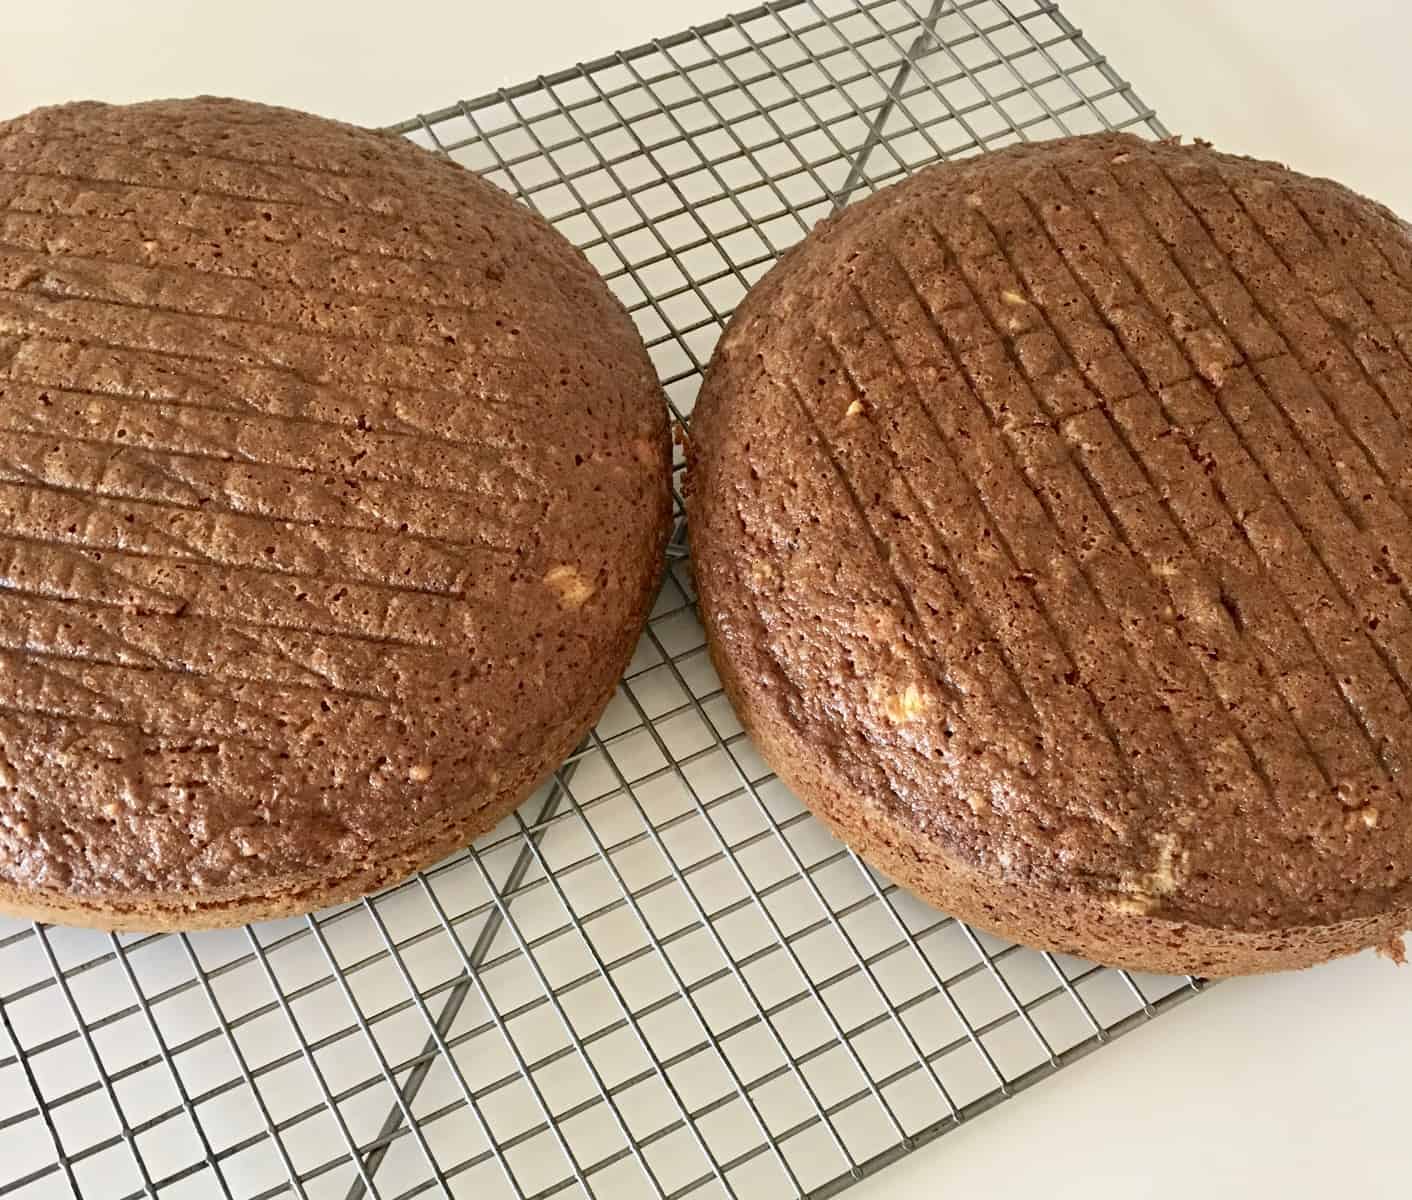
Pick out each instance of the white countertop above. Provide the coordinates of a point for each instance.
(1286, 1086)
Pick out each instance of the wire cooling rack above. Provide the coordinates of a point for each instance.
(660, 977)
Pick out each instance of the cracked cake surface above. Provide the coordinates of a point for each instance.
(334, 489)
(1050, 514)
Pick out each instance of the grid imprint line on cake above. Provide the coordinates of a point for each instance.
(838, 91)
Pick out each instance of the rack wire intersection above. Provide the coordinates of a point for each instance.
(661, 977)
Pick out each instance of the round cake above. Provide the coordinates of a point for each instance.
(1050, 515)
(334, 490)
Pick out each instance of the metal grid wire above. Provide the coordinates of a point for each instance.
(661, 977)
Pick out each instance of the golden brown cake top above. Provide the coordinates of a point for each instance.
(1059, 500)
(333, 485)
